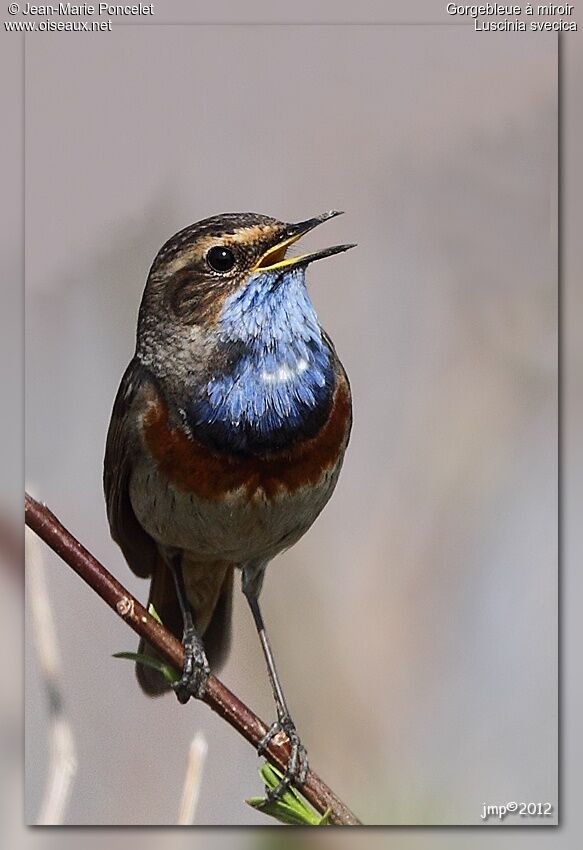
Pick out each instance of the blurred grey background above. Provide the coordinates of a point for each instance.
(415, 626)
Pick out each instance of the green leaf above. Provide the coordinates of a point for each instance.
(292, 808)
(153, 613)
(167, 671)
(282, 812)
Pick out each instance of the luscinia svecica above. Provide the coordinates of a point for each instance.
(227, 435)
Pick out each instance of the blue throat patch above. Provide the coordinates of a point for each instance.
(279, 381)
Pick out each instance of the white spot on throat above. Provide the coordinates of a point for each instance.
(284, 373)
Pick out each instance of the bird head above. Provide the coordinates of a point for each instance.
(200, 267)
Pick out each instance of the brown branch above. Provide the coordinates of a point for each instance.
(219, 698)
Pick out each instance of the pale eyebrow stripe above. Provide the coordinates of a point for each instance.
(243, 235)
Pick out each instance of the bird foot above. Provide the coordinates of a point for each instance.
(195, 671)
(297, 765)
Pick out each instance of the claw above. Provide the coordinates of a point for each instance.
(195, 671)
(297, 766)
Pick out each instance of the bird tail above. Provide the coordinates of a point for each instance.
(216, 635)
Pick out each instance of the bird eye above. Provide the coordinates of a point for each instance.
(220, 259)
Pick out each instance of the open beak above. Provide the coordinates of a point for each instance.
(275, 257)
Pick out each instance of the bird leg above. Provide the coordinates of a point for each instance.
(195, 671)
(297, 766)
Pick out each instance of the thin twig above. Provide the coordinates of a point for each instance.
(219, 698)
(63, 761)
(192, 780)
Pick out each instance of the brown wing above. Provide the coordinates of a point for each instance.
(139, 549)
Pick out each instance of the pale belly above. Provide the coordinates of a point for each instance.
(236, 529)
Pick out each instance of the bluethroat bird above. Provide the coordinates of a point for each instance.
(226, 438)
